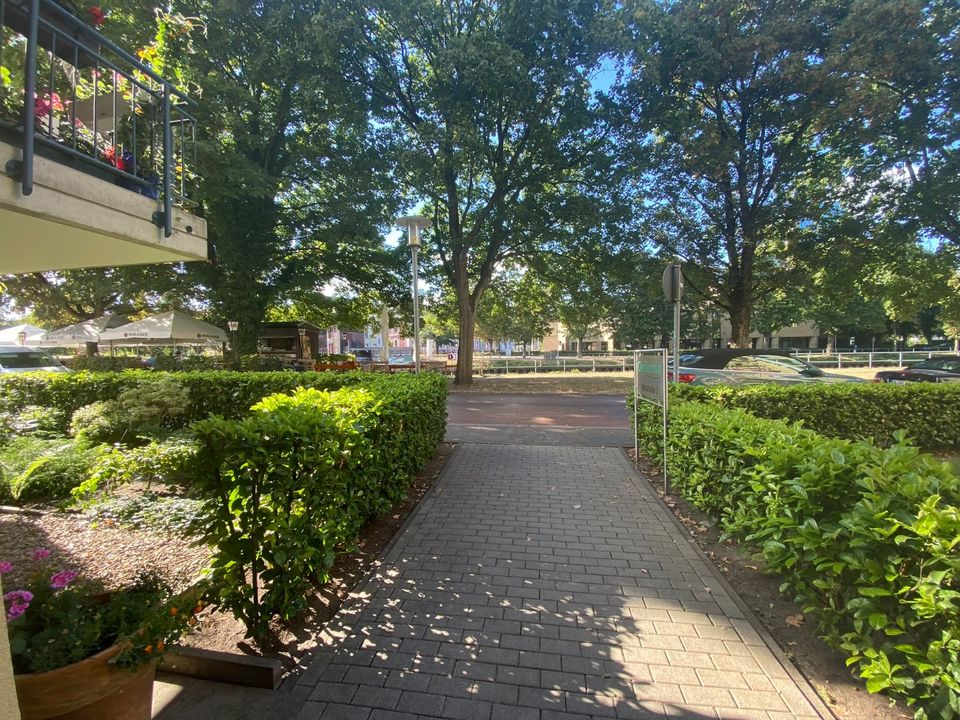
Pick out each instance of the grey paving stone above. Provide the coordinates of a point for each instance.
(546, 582)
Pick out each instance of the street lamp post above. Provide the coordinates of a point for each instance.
(233, 325)
(413, 224)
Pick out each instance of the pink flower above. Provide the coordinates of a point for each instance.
(96, 15)
(5, 567)
(62, 579)
(19, 596)
(40, 554)
(16, 610)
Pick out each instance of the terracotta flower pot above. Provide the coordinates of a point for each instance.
(92, 689)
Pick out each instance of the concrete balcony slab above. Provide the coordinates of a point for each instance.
(73, 219)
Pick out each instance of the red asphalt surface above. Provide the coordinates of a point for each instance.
(558, 410)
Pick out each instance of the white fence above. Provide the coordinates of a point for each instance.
(887, 358)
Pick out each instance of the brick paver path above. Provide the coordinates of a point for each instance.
(545, 582)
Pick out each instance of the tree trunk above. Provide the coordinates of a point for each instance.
(831, 343)
(468, 320)
(956, 344)
(740, 325)
(579, 347)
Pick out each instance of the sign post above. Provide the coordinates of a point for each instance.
(673, 292)
(650, 385)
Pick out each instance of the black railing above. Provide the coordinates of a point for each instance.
(70, 94)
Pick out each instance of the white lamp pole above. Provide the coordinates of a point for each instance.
(413, 224)
(234, 326)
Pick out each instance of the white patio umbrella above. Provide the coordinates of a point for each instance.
(80, 333)
(11, 335)
(169, 328)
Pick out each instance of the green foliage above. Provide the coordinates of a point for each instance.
(67, 618)
(149, 511)
(291, 484)
(866, 538)
(31, 420)
(929, 413)
(103, 363)
(97, 422)
(36, 469)
(230, 394)
(172, 461)
(156, 404)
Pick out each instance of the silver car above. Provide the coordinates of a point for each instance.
(748, 367)
(17, 359)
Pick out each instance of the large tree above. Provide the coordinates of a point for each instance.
(731, 100)
(292, 177)
(902, 61)
(492, 105)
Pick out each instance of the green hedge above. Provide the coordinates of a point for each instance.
(866, 538)
(928, 412)
(292, 483)
(230, 394)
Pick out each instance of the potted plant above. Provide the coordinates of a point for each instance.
(79, 652)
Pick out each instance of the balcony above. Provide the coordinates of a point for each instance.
(97, 151)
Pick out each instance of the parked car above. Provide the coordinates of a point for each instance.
(17, 359)
(938, 370)
(747, 367)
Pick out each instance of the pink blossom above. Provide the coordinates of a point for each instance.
(40, 554)
(19, 596)
(5, 567)
(62, 579)
(16, 610)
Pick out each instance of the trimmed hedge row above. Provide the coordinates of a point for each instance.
(292, 483)
(211, 392)
(928, 412)
(867, 539)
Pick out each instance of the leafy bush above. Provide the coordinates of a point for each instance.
(31, 420)
(152, 406)
(230, 394)
(97, 422)
(294, 481)
(172, 461)
(928, 412)
(103, 363)
(37, 469)
(866, 538)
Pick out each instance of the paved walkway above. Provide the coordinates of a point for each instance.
(545, 583)
(538, 419)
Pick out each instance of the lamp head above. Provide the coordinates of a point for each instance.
(233, 325)
(413, 224)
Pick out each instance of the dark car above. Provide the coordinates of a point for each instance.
(747, 367)
(938, 370)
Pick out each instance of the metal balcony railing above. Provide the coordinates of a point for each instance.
(70, 94)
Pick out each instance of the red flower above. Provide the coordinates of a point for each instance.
(96, 14)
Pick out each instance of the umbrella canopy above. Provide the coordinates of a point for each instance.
(11, 335)
(172, 327)
(80, 333)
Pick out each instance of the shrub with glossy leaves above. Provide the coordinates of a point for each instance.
(290, 485)
(929, 413)
(866, 538)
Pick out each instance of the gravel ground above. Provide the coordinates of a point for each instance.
(108, 554)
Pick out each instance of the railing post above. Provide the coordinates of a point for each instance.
(839, 363)
(870, 360)
(901, 359)
(167, 165)
(29, 97)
